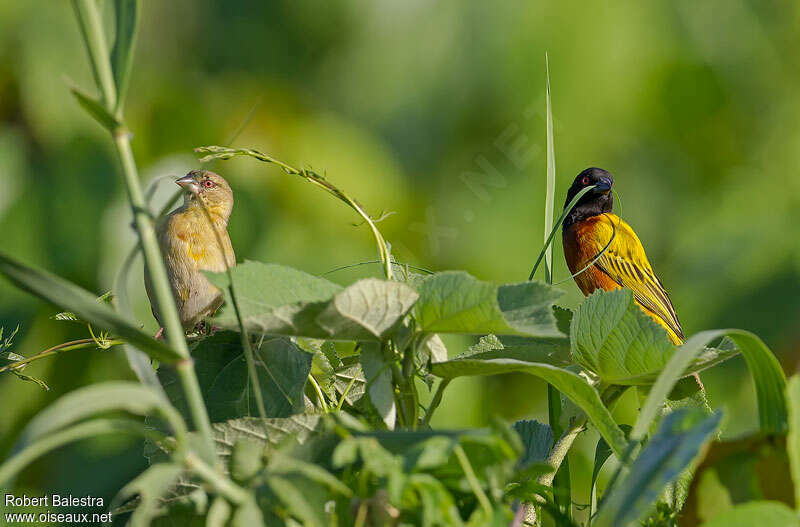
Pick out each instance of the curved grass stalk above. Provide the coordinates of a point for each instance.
(60, 348)
(245, 337)
(220, 152)
(553, 231)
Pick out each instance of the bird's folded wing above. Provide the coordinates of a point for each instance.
(626, 263)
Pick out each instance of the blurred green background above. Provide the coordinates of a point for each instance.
(433, 111)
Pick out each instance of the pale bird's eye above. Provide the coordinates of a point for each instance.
(208, 183)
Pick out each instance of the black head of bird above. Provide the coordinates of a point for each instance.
(596, 201)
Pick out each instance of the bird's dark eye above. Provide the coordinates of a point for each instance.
(585, 180)
(208, 183)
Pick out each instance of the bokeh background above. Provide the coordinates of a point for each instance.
(433, 111)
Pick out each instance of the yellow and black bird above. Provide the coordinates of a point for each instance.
(588, 228)
(189, 245)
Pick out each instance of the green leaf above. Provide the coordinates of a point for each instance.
(70, 297)
(549, 203)
(27, 452)
(537, 439)
(151, 485)
(612, 337)
(218, 513)
(221, 369)
(601, 454)
(550, 350)
(771, 513)
(126, 13)
(299, 427)
(262, 287)
(301, 498)
(455, 302)
(284, 465)
(282, 369)
(378, 372)
(370, 309)
(246, 459)
(96, 110)
(570, 384)
(350, 383)
(247, 514)
(99, 398)
(793, 438)
(668, 453)
(765, 370)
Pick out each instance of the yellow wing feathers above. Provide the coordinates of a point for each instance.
(626, 264)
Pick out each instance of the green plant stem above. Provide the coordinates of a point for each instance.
(163, 292)
(61, 348)
(221, 484)
(343, 397)
(473, 480)
(243, 334)
(318, 391)
(436, 401)
(557, 455)
(90, 22)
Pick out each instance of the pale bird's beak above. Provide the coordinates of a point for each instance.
(189, 183)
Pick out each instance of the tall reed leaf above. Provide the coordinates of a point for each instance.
(70, 297)
(126, 13)
(551, 183)
(765, 369)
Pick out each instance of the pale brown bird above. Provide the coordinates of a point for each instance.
(189, 245)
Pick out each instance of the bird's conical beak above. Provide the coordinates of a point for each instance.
(189, 183)
(603, 186)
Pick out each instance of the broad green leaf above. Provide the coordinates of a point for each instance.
(370, 309)
(612, 337)
(666, 456)
(765, 370)
(261, 287)
(90, 401)
(282, 369)
(267, 432)
(455, 302)
(549, 350)
(96, 110)
(793, 439)
(221, 369)
(378, 373)
(570, 384)
(70, 297)
(537, 439)
(751, 514)
(126, 14)
(151, 485)
(28, 452)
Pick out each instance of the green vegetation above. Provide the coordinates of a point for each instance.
(315, 403)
